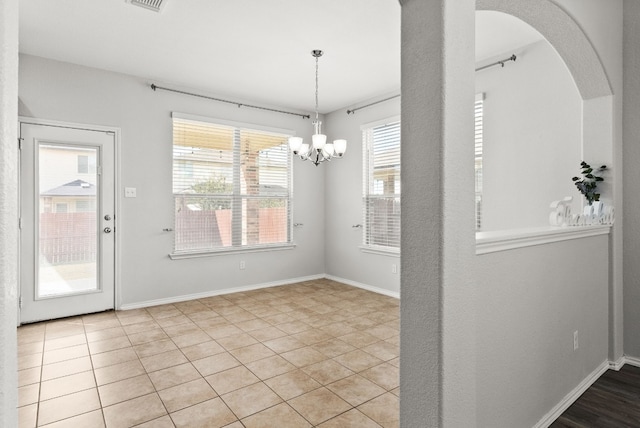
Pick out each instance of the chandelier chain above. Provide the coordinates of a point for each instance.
(317, 88)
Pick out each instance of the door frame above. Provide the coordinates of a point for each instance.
(116, 224)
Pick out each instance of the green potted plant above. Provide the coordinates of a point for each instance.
(588, 183)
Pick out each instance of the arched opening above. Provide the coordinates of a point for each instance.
(542, 114)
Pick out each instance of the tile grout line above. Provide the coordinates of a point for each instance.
(93, 371)
(44, 341)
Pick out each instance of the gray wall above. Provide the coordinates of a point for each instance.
(532, 138)
(437, 347)
(631, 177)
(529, 303)
(66, 92)
(343, 209)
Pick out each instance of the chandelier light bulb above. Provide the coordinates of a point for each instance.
(340, 146)
(318, 140)
(328, 150)
(294, 144)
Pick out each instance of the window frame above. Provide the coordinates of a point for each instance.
(367, 162)
(236, 196)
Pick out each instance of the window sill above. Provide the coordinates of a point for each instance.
(381, 251)
(226, 252)
(504, 240)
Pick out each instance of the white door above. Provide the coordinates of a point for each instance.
(67, 221)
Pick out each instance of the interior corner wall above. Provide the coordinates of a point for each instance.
(631, 177)
(532, 140)
(71, 93)
(343, 205)
(8, 212)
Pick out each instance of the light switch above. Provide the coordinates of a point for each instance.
(129, 192)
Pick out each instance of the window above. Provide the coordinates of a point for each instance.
(231, 186)
(479, 112)
(86, 164)
(61, 208)
(381, 193)
(83, 206)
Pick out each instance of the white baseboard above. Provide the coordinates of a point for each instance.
(570, 398)
(212, 293)
(617, 365)
(394, 294)
(632, 361)
(184, 297)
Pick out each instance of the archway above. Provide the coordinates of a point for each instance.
(565, 35)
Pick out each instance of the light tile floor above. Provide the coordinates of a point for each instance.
(312, 354)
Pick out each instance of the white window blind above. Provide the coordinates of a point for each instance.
(231, 187)
(381, 193)
(479, 112)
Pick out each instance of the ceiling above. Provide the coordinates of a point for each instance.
(256, 51)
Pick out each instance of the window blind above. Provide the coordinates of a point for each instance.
(479, 113)
(231, 187)
(381, 193)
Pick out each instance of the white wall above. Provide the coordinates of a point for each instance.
(343, 204)
(8, 211)
(66, 92)
(532, 138)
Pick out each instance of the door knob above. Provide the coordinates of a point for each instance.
(107, 230)
(107, 217)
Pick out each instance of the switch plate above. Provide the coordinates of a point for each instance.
(242, 264)
(129, 192)
(394, 268)
(575, 340)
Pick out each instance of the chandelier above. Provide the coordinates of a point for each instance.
(319, 150)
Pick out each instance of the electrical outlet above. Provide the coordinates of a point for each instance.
(129, 192)
(242, 264)
(575, 340)
(394, 268)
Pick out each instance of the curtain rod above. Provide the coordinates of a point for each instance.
(155, 87)
(353, 110)
(501, 63)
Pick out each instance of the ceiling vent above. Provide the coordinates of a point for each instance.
(155, 5)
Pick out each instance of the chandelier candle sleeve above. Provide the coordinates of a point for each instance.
(319, 150)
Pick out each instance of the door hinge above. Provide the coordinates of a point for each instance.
(20, 223)
(20, 302)
(20, 143)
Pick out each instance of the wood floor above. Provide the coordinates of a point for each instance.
(613, 401)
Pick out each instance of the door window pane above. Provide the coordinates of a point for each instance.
(67, 234)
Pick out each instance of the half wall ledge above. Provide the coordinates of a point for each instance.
(504, 240)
